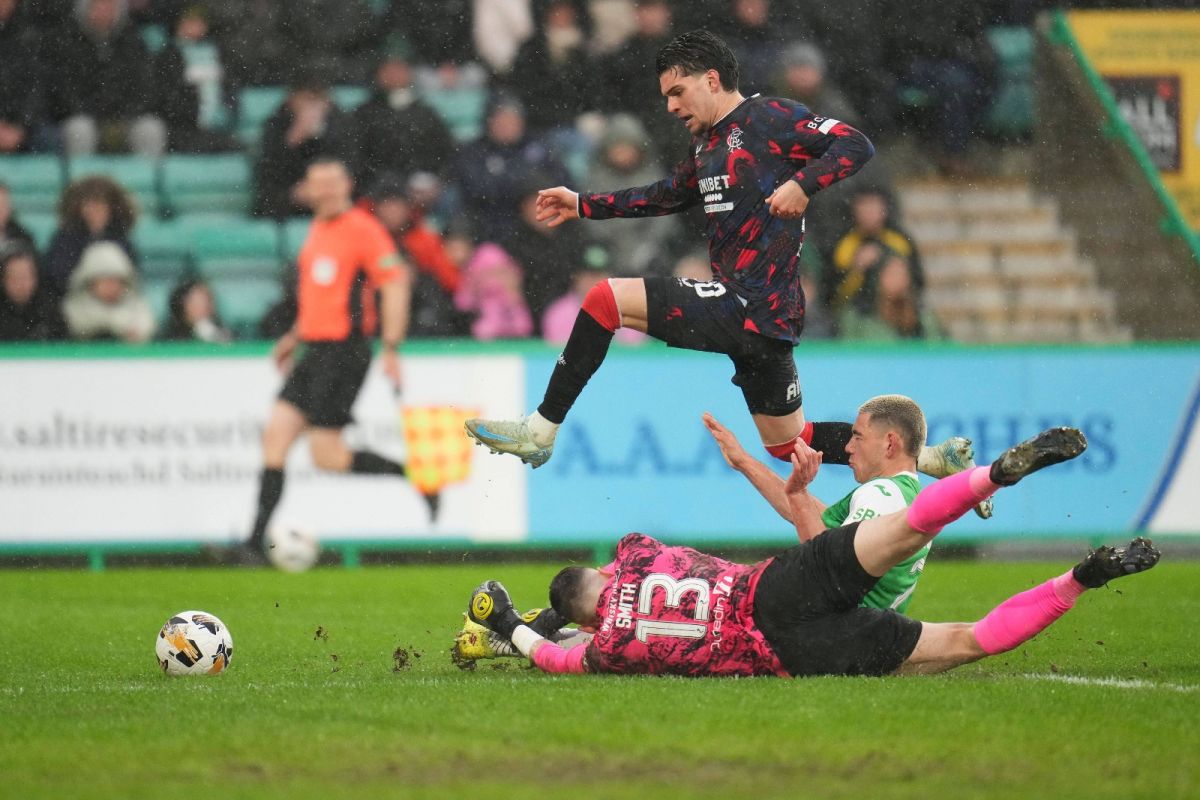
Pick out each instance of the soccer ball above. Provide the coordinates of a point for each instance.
(194, 643)
(291, 548)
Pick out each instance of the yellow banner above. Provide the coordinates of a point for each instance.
(1151, 61)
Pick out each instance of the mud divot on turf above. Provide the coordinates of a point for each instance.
(321, 634)
(402, 657)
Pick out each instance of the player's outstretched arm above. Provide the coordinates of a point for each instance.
(674, 194)
(805, 509)
(761, 477)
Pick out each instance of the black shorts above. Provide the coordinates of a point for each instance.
(707, 316)
(807, 607)
(325, 381)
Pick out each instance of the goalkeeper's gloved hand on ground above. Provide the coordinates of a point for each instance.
(545, 622)
(492, 608)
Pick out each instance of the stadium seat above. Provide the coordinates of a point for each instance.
(256, 104)
(42, 226)
(1012, 110)
(238, 248)
(295, 231)
(154, 37)
(207, 183)
(157, 292)
(242, 302)
(139, 176)
(162, 248)
(349, 98)
(460, 109)
(35, 181)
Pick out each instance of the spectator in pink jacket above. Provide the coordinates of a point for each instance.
(491, 289)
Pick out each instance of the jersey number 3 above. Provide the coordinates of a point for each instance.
(675, 590)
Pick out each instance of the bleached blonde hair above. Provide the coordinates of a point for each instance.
(901, 414)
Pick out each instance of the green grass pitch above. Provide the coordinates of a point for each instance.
(1104, 704)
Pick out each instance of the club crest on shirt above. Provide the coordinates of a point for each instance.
(734, 140)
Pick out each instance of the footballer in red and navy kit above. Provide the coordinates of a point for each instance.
(753, 164)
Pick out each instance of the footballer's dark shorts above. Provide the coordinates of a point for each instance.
(708, 316)
(806, 606)
(325, 381)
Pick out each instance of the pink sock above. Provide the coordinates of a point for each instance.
(948, 499)
(1023, 616)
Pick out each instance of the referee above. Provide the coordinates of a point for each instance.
(347, 257)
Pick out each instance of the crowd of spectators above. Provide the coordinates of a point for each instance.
(571, 98)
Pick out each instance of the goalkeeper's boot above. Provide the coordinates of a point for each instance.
(475, 642)
(1106, 563)
(1051, 446)
(948, 458)
(510, 436)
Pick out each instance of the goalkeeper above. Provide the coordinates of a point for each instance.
(658, 609)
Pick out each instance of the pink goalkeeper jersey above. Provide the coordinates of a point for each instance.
(678, 611)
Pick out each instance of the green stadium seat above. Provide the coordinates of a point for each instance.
(242, 302)
(157, 292)
(239, 248)
(295, 231)
(162, 248)
(460, 109)
(154, 37)
(349, 98)
(139, 176)
(35, 182)
(256, 104)
(1012, 110)
(211, 183)
(41, 226)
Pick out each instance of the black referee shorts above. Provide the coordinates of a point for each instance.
(707, 316)
(807, 607)
(326, 379)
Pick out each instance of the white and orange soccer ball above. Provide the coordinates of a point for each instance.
(194, 643)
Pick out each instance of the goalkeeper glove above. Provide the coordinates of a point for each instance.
(545, 622)
(492, 608)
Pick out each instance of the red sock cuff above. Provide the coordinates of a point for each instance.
(601, 305)
(782, 451)
(806, 433)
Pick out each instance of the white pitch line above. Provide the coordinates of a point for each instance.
(1114, 683)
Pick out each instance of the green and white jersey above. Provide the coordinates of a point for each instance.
(874, 499)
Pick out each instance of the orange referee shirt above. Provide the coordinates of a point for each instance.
(337, 256)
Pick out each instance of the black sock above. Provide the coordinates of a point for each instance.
(831, 438)
(270, 489)
(583, 355)
(367, 463)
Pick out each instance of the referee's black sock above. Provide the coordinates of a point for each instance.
(830, 438)
(270, 490)
(365, 462)
(583, 355)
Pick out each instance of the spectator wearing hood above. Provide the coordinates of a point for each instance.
(395, 131)
(638, 246)
(803, 76)
(92, 209)
(491, 290)
(104, 85)
(437, 277)
(28, 312)
(103, 301)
